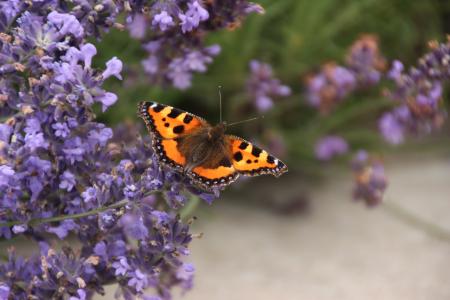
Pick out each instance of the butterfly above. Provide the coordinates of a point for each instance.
(204, 153)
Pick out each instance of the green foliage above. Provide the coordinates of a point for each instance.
(295, 37)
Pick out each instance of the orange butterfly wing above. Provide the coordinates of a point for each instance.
(250, 160)
(167, 123)
(209, 178)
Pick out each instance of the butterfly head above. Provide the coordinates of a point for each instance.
(217, 132)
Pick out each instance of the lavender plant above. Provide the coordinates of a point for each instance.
(174, 33)
(334, 83)
(418, 95)
(64, 175)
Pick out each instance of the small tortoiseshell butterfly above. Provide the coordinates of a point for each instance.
(203, 152)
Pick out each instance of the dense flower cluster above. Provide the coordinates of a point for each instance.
(56, 160)
(419, 95)
(262, 86)
(174, 32)
(370, 178)
(334, 83)
(330, 146)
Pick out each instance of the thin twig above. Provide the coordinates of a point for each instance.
(429, 227)
(34, 222)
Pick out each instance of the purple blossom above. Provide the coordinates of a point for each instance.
(138, 281)
(334, 83)
(81, 295)
(193, 16)
(365, 60)
(5, 133)
(66, 24)
(418, 93)
(6, 173)
(113, 68)
(330, 146)
(4, 291)
(370, 179)
(262, 86)
(175, 53)
(134, 226)
(61, 129)
(186, 274)
(330, 86)
(137, 26)
(67, 181)
(121, 266)
(63, 229)
(163, 20)
(19, 228)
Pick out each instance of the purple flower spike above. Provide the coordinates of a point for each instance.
(330, 146)
(57, 161)
(66, 24)
(262, 87)
(138, 281)
(370, 179)
(163, 20)
(193, 16)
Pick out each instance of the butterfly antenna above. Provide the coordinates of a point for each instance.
(245, 121)
(219, 88)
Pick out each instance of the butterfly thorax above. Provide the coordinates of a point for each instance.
(216, 133)
(205, 147)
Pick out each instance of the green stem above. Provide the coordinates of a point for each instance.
(190, 207)
(429, 227)
(34, 222)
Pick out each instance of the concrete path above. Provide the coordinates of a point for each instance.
(340, 250)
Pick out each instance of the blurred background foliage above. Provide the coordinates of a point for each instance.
(296, 37)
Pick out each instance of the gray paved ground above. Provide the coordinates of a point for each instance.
(340, 250)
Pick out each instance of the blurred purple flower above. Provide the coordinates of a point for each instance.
(138, 281)
(419, 95)
(370, 179)
(67, 181)
(121, 266)
(193, 16)
(330, 146)
(365, 60)
(330, 86)
(262, 87)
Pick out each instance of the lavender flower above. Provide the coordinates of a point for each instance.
(365, 60)
(56, 160)
(370, 179)
(334, 83)
(163, 20)
(176, 43)
(330, 146)
(262, 86)
(419, 95)
(330, 86)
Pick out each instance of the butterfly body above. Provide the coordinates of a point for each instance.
(203, 152)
